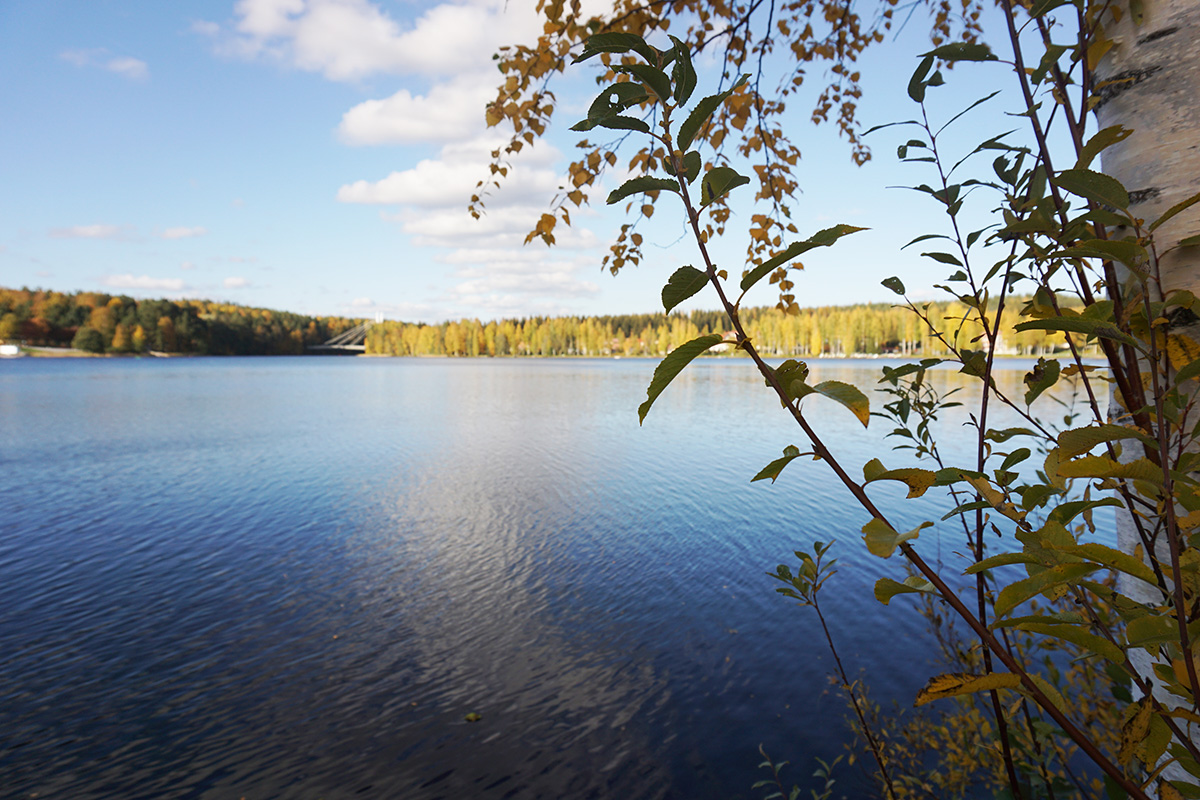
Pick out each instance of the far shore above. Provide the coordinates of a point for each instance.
(70, 352)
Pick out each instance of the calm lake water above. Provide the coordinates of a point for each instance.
(294, 577)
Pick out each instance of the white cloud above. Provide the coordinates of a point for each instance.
(450, 180)
(204, 28)
(347, 40)
(80, 58)
(449, 112)
(90, 232)
(129, 281)
(367, 307)
(129, 67)
(183, 233)
(187, 265)
(236, 283)
(99, 58)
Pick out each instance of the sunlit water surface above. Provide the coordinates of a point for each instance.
(294, 578)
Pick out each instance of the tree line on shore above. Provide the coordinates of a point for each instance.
(101, 323)
(867, 329)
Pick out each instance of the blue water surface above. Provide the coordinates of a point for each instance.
(295, 577)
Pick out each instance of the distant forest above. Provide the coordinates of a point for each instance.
(872, 329)
(102, 323)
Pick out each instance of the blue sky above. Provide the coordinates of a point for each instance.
(318, 155)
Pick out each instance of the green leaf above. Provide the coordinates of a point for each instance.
(1036, 495)
(849, 396)
(682, 284)
(1043, 375)
(882, 540)
(916, 84)
(917, 480)
(683, 73)
(772, 470)
(944, 258)
(1064, 513)
(894, 284)
(1043, 6)
(718, 182)
(671, 366)
(1189, 372)
(1094, 186)
(1048, 579)
(962, 51)
(1111, 558)
(1130, 254)
(619, 123)
(1090, 327)
(1152, 630)
(1000, 560)
(886, 588)
(615, 98)
(652, 77)
(1099, 142)
(615, 43)
(1001, 436)
(645, 183)
(873, 469)
(823, 238)
(1190, 241)
(691, 166)
(1183, 205)
(1077, 441)
(958, 683)
(700, 114)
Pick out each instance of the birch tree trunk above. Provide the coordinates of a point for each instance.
(1154, 67)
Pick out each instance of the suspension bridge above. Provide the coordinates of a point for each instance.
(351, 342)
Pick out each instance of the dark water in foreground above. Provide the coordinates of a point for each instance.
(293, 578)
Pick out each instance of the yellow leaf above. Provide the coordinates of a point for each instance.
(917, 480)
(957, 683)
(1134, 729)
(1168, 792)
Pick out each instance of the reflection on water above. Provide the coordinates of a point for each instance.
(295, 578)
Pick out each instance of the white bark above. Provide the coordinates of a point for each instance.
(1157, 64)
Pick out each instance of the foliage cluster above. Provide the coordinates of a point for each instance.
(102, 323)
(873, 329)
(1039, 577)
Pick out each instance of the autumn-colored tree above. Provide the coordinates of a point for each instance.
(10, 325)
(780, 45)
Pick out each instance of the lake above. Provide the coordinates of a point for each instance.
(295, 577)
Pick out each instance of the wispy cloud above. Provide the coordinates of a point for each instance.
(183, 233)
(101, 58)
(236, 283)
(131, 281)
(367, 307)
(91, 232)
